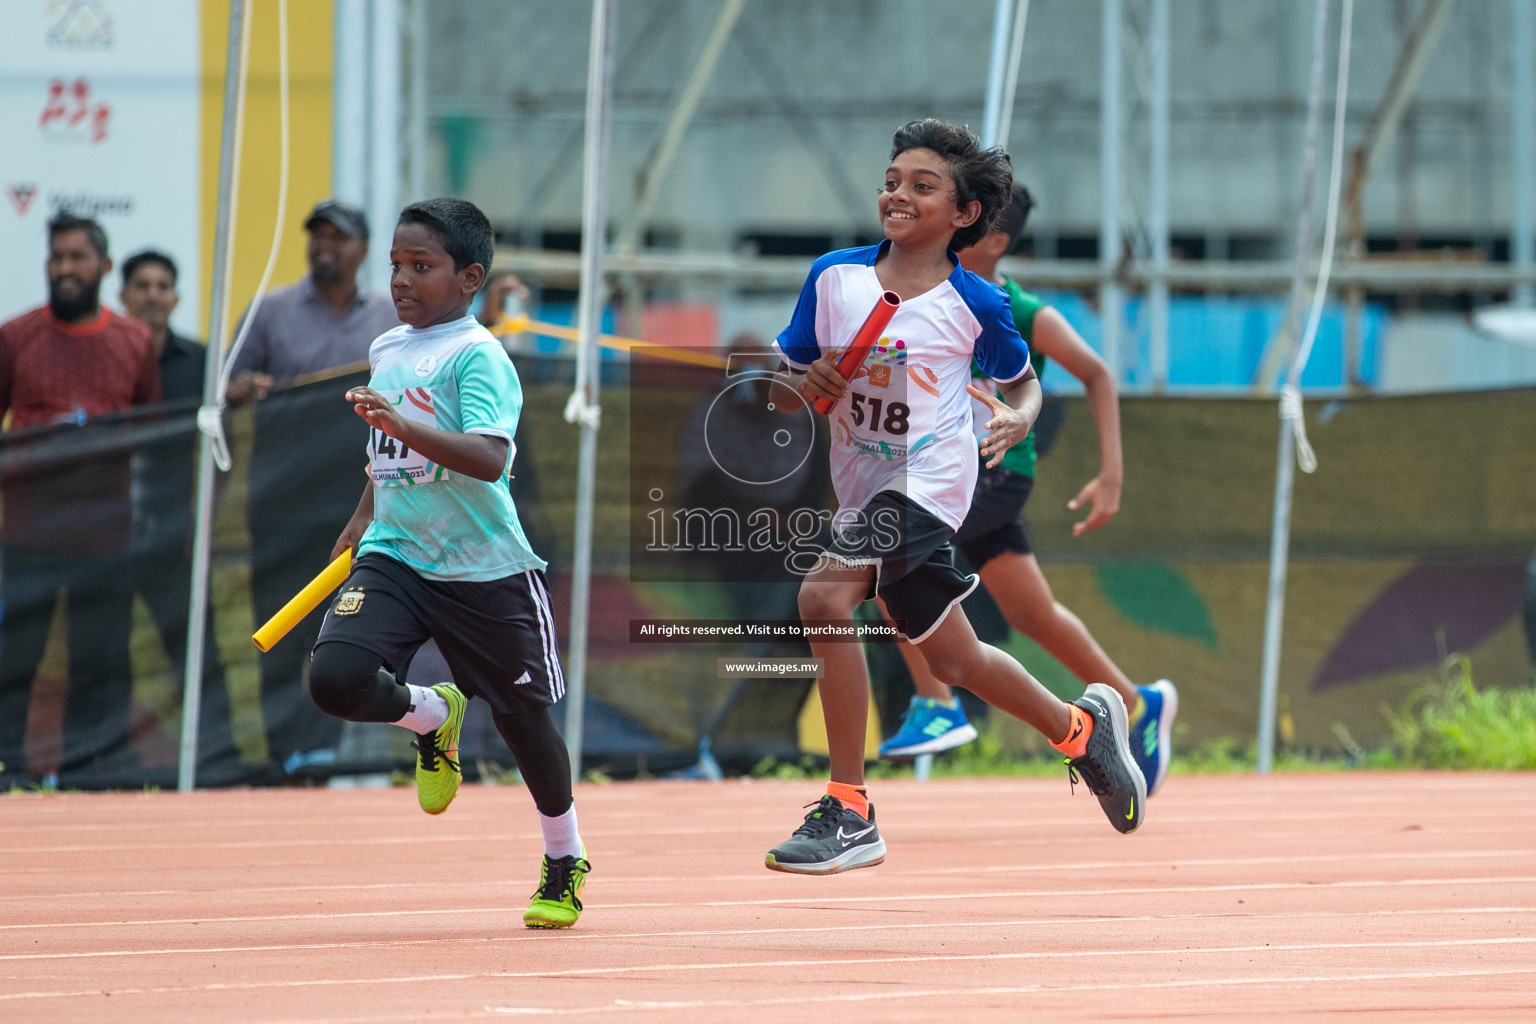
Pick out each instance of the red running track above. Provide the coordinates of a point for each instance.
(1357, 897)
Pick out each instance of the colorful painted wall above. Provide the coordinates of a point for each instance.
(1409, 543)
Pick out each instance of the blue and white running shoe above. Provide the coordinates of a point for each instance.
(929, 726)
(1152, 737)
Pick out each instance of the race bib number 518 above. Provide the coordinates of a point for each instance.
(391, 462)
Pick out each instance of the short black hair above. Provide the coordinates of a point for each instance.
(132, 264)
(1014, 216)
(64, 222)
(463, 230)
(981, 175)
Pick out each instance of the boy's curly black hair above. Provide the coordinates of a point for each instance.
(463, 230)
(982, 176)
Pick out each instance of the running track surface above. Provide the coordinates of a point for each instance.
(1355, 897)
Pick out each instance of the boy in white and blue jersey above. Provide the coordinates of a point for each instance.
(904, 466)
(440, 553)
(994, 541)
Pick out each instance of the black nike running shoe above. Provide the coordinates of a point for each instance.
(1107, 765)
(831, 839)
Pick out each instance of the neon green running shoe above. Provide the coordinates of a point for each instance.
(557, 900)
(437, 766)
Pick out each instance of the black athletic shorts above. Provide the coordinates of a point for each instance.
(498, 637)
(994, 524)
(915, 572)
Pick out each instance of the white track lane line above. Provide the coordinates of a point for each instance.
(883, 926)
(1107, 865)
(821, 962)
(981, 823)
(958, 992)
(801, 901)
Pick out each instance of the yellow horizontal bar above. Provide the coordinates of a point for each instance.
(525, 325)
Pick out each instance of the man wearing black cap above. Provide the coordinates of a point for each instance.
(326, 320)
(307, 459)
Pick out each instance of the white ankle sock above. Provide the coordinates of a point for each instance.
(561, 838)
(428, 710)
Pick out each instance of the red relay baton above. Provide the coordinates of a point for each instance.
(863, 343)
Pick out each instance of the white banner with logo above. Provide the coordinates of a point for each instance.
(100, 115)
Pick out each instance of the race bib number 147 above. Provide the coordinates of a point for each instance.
(391, 462)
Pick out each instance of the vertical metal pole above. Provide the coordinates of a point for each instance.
(1522, 243)
(1015, 59)
(383, 139)
(349, 102)
(1110, 299)
(1285, 469)
(1002, 18)
(1274, 608)
(584, 401)
(1157, 291)
(419, 51)
(202, 537)
(994, 129)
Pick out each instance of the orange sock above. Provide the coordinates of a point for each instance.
(1076, 743)
(855, 798)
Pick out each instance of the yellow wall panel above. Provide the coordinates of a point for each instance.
(309, 66)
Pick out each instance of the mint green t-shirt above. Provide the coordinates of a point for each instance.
(445, 525)
(1021, 457)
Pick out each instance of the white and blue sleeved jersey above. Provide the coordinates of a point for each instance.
(445, 525)
(907, 426)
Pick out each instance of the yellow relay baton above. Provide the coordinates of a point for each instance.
(303, 602)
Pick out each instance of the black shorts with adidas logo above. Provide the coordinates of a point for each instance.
(498, 637)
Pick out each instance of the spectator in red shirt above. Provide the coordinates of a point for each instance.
(67, 516)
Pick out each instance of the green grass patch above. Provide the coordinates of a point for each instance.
(1448, 723)
(1453, 724)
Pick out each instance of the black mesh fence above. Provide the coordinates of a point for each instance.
(1410, 543)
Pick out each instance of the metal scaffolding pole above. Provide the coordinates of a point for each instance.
(1417, 49)
(991, 115)
(1110, 297)
(1015, 58)
(1522, 241)
(1285, 468)
(583, 407)
(383, 138)
(1002, 80)
(202, 535)
(1157, 292)
(349, 103)
(654, 169)
(418, 108)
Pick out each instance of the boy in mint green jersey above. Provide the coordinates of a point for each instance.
(440, 553)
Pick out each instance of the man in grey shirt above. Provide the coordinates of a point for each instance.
(306, 345)
(324, 321)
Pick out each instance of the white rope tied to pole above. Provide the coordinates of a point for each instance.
(1291, 413)
(1290, 392)
(210, 418)
(578, 410)
(583, 405)
(1285, 464)
(1292, 428)
(213, 447)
